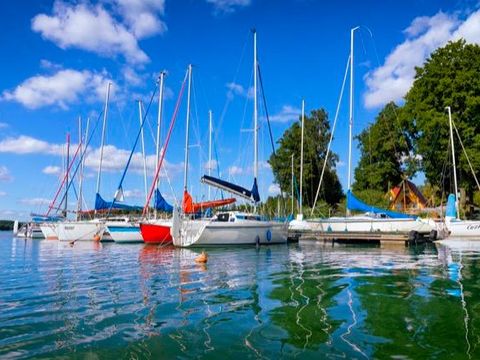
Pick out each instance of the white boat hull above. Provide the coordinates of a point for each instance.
(125, 233)
(463, 228)
(79, 230)
(210, 233)
(362, 224)
(48, 230)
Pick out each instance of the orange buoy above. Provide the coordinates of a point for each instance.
(96, 237)
(202, 258)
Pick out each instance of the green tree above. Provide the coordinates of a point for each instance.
(449, 77)
(385, 150)
(316, 137)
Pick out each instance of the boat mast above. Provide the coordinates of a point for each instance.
(350, 123)
(293, 155)
(105, 112)
(140, 115)
(82, 167)
(255, 110)
(301, 162)
(187, 130)
(80, 142)
(210, 131)
(453, 159)
(159, 123)
(68, 168)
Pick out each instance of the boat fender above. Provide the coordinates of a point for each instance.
(257, 241)
(433, 235)
(96, 237)
(202, 258)
(413, 236)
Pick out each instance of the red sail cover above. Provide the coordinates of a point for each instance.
(189, 207)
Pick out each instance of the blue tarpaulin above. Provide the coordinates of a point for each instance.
(357, 205)
(101, 204)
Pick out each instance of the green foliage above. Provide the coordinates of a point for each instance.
(449, 77)
(432, 193)
(6, 225)
(373, 197)
(316, 137)
(384, 146)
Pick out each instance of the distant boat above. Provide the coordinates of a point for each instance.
(373, 219)
(458, 228)
(230, 228)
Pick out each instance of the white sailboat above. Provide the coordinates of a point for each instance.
(374, 219)
(230, 228)
(456, 227)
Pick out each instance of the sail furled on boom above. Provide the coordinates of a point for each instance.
(234, 189)
(101, 204)
(357, 205)
(189, 207)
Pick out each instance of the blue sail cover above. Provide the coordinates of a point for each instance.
(160, 202)
(101, 204)
(451, 210)
(355, 204)
(251, 195)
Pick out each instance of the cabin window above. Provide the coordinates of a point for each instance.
(222, 217)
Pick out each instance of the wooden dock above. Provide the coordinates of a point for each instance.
(347, 237)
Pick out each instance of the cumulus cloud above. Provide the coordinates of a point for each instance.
(34, 201)
(29, 145)
(3, 125)
(234, 89)
(274, 189)
(52, 170)
(5, 174)
(286, 114)
(228, 6)
(3, 193)
(142, 17)
(235, 170)
(392, 80)
(212, 165)
(93, 28)
(134, 194)
(59, 89)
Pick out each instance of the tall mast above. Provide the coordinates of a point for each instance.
(255, 110)
(82, 153)
(187, 130)
(80, 142)
(293, 189)
(453, 159)
(140, 115)
(301, 159)
(159, 128)
(210, 131)
(66, 175)
(350, 123)
(105, 113)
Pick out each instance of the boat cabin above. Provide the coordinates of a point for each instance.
(233, 216)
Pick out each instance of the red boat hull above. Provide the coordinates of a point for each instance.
(156, 234)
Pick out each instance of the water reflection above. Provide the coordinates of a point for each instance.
(307, 300)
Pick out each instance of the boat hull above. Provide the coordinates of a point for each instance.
(362, 224)
(125, 233)
(156, 233)
(464, 228)
(79, 231)
(48, 231)
(211, 233)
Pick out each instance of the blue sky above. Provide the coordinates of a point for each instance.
(57, 57)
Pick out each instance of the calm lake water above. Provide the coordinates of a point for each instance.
(307, 300)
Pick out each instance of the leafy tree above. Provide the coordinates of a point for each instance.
(385, 150)
(449, 77)
(316, 137)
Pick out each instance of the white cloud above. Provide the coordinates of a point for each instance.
(52, 170)
(3, 125)
(135, 194)
(28, 145)
(274, 189)
(34, 201)
(212, 165)
(142, 16)
(235, 170)
(392, 80)
(60, 89)
(288, 113)
(5, 174)
(94, 29)
(3, 193)
(228, 6)
(234, 89)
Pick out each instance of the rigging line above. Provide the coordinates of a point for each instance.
(466, 155)
(165, 146)
(266, 109)
(331, 135)
(133, 150)
(79, 163)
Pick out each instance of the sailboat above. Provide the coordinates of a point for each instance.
(231, 227)
(374, 219)
(458, 228)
